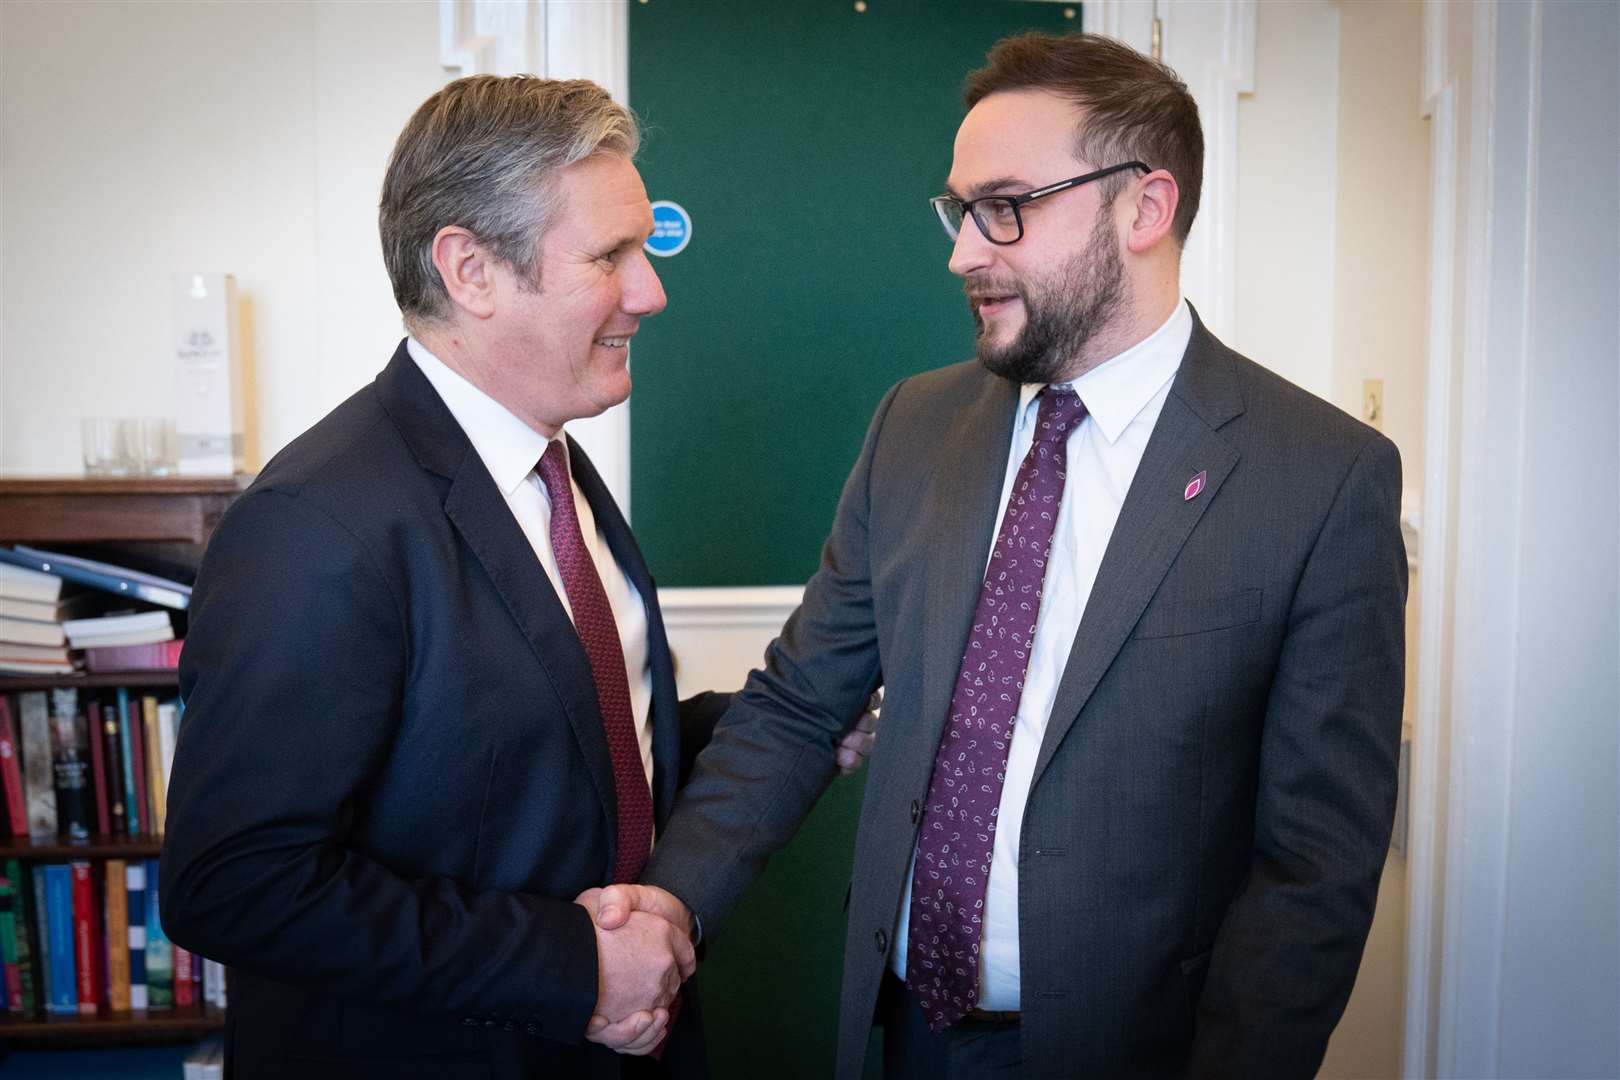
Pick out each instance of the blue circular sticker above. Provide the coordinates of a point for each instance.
(672, 229)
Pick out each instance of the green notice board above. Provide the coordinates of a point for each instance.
(803, 138)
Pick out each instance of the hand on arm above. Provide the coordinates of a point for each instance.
(856, 745)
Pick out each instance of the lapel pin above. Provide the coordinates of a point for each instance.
(1194, 486)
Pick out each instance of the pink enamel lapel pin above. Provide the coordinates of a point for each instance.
(1194, 486)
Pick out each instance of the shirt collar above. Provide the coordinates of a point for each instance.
(509, 448)
(1119, 388)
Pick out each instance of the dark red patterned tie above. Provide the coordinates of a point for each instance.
(958, 832)
(593, 620)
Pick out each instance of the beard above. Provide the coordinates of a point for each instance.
(1063, 311)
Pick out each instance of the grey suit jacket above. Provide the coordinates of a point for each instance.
(1213, 799)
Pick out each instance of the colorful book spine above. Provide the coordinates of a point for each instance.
(75, 797)
(137, 752)
(42, 939)
(64, 1000)
(113, 761)
(98, 767)
(11, 772)
(184, 987)
(159, 957)
(155, 786)
(84, 939)
(117, 920)
(158, 656)
(168, 714)
(214, 983)
(26, 950)
(34, 716)
(135, 888)
(8, 945)
(126, 713)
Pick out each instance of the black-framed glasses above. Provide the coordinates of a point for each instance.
(998, 216)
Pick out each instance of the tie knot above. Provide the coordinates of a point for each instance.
(553, 469)
(1061, 410)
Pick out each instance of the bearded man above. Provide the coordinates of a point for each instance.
(1137, 606)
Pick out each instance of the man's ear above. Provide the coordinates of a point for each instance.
(1157, 197)
(467, 270)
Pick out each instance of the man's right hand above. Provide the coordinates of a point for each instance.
(641, 964)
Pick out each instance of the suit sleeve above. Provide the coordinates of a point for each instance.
(699, 714)
(772, 753)
(294, 676)
(1286, 954)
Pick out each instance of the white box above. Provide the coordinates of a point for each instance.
(208, 346)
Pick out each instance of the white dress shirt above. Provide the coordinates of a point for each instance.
(510, 450)
(1123, 397)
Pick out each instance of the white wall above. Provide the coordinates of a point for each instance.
(1286, 195)
(1560, 973)
(1518, 886)
(141, 139)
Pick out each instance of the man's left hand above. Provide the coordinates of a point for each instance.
(856, 745)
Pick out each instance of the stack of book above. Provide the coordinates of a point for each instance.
(76, 763)
(60, 613)
(81, 938)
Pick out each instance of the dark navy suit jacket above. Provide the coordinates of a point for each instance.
(392, 778)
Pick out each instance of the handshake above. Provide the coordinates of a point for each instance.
(644, 937)
(643, 955)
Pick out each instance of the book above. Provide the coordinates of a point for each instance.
(184, 989)
(34, 668)
(120, 580)
(214, 983)
(117, 920)
(60, 952)
(42, 937)
(155, 656)
(84, 938)
(168, 733)
(112, 760)
(159, 954)
(75, 798)
(135, 893)
(28, 632)
(205, 1061)
(75, 606)
(126, 757)
(35, 654)
(8, 945)
(132, 628)
(156, 785)
(11, 772)
(33, 586)
(98, 767)
(39, 781)
(137, 754)
(27, 950)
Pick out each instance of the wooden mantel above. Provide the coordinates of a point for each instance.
(74, 510)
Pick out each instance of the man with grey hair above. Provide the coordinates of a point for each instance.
(430, 706)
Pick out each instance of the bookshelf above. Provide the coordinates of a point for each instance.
(167, 523)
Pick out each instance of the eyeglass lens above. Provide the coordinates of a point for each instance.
(997, 218)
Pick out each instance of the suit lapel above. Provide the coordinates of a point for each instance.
(1154, 522)
(964, 489)
(480, 515)
(665, 708)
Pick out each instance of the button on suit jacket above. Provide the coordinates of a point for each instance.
(392, 778)
(1213, 797)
